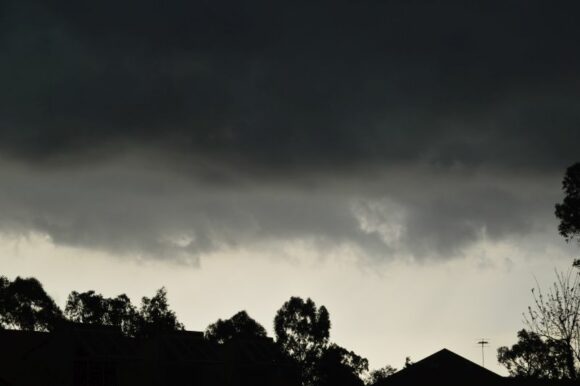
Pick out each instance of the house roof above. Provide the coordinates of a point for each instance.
(444, 366)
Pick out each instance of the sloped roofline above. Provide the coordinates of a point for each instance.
(446, 352)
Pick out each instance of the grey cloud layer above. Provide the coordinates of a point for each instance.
(131, 208)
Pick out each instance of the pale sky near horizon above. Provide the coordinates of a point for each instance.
(397, 161)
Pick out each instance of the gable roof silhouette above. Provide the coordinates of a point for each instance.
(444, 367)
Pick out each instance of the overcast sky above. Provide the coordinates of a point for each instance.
(397, 161)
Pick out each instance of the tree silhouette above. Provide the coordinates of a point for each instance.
(238, 326)
(121, 313)
(534, 357)
(339, 366)
(302, 329)
(555, 316)
(91, 308)
(551, 349)
(25, 305)
(569, 210)
(378, 375)
(302, 332)
(85, 307)
(155, 316)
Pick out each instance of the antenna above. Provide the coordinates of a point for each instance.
(483, 342)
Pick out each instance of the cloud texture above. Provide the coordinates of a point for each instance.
(395, 128)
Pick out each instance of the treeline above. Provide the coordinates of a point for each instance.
(302, 329)
(25, 305)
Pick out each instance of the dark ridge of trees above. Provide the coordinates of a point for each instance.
(153, 316)
(25, 305)
(92, 308)
(302, 329)
(239, 326)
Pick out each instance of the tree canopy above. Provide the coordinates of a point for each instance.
(569, 210)
(339, 366)
(239, 326)
(378, 375)
(302, 329)
(534, 357)
(303, 332)
(92, 308)
(156, 316)
(25, 305)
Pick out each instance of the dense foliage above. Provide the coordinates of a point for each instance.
(25, 305)
(568, 211)
(534, 357)
(239, 326)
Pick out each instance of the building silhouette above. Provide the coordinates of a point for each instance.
(87, 355)
(446, 368)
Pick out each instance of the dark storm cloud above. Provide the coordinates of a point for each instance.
(137, 207)
(259, 121)
(291, 84)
